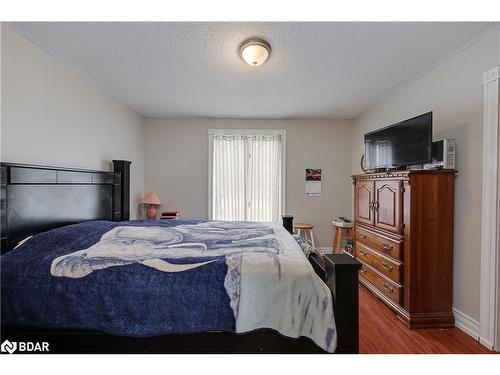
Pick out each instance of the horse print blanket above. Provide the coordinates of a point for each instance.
(146, 278)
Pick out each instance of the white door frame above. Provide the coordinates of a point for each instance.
(490, 223)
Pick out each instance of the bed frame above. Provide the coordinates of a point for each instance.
(34, 199)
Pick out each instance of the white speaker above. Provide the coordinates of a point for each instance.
(443, 155)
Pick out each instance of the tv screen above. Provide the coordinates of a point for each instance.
(406, 143)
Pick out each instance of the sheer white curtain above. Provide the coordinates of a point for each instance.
(264, 178)
(246, 176)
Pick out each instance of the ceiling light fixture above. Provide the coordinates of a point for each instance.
(255, 52)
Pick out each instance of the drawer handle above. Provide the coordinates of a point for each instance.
(386, 246)
(387, 266)
(362, 235)
(388, 288)
(363, 252)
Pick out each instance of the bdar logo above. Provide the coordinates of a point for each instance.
(22, 346)
(8, 346)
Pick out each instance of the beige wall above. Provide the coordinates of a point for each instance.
(176, 160)
(53, 115)
(454, 92)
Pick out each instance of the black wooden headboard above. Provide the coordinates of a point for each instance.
(34, 198)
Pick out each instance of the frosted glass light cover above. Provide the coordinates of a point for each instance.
(255, 54)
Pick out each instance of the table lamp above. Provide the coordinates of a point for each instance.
(154, 202)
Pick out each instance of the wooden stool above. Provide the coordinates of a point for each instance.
(306, 232)
(341, 236)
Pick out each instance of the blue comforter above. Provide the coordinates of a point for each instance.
(131, 300)
(145, 278)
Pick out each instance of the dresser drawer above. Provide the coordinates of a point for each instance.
(384, 265)
(385, 246)
(390, 289)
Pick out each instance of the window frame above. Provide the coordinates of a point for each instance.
(247, 132)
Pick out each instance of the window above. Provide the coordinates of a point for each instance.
(246, 174)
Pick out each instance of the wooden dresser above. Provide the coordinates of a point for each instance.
(403, 230)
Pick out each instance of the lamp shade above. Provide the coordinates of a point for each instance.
(151, 198)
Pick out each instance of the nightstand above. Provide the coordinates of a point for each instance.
(343, 233)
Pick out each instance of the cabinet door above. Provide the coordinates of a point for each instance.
(363, 202)
(388, 205)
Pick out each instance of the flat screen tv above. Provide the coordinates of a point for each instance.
(406, 143)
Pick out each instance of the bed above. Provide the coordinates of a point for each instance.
(90, 280)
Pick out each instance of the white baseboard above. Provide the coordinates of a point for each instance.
(486, 343)
(467, 324)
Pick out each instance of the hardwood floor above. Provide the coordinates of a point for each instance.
(381, 332)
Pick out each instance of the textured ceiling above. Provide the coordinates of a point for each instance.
(316, 70)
